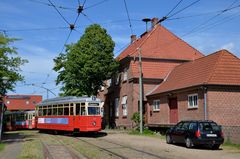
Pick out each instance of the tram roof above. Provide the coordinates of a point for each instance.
(68, 99)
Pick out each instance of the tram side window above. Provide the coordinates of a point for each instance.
(44, 111)
(71, 109)
(54, 110)
(40, 113)
(66, 109)
(78, 109)
(83, 109)
(60, 109)
(49, 110)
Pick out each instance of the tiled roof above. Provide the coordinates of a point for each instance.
(220, 68)
(161, 43)
(153, 69)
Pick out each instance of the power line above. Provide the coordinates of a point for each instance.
(65, 43)
(96, 4)
(51, 5)
(212, 18)
(34, 29)
(174, 8)
(59, 12)
(179, 11)
(130, 25)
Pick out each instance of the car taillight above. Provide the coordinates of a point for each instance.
(222, 135)
(197, 133)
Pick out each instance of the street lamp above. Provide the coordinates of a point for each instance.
(4, 81)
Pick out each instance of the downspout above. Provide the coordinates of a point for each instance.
(205, 102)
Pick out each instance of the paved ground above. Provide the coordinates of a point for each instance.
(13, 142)
(112, 144)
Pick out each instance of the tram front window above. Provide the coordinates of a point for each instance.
(93, 111)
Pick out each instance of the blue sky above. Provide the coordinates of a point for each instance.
(213, 31)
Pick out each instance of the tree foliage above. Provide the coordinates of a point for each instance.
(86, 63)
(10, 64)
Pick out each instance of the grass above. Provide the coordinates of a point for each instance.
(2, 146)
(147, 132)
(230, 145)
(32, 147)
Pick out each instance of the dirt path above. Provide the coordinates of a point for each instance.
(13, 147)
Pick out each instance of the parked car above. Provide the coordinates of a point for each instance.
(196, 132)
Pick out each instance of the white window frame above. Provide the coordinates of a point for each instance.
(156, 105)
(116, 107)
(109, 82)
(193, 101)
(124, 105)
(125, 74)
(117, 79)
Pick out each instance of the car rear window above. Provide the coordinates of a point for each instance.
(209, 126)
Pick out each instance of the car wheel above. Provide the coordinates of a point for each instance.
(215, 147)
(188, 142)
(169, 139)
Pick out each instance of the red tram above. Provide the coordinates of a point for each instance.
(76, 114)
(19, 120)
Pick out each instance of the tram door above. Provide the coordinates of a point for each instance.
(29, 118)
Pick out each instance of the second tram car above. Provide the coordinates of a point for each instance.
(76, 114)
(19, 120)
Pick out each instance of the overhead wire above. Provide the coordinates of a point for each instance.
(179, 11)
(173, 8)
(51, 5)
(34, 29)
(96, 4)
(130, 24)
(59, 12)
(204, 24)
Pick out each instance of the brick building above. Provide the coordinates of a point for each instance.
(21, 102)
(207, 88)
(161, 51)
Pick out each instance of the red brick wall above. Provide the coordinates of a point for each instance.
(184, 113)
(22, 102)
(158, 117)
(224, 106)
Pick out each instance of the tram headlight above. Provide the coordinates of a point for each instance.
(94, 123)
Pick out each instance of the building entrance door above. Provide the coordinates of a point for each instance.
(173, 110)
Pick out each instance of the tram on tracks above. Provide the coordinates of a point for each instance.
(75, 114)
(19, 120)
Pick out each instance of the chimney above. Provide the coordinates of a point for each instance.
(133, 38)
(154, 22)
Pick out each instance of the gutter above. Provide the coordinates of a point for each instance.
(205, 102)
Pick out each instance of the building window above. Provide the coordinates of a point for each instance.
(156, 105)
(124, 105)
(192, 101)
(116, 107)
(125, 74)
(117, 78)
(109, 82)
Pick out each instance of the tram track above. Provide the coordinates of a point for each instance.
(119, 146)
(58, 150)
(111, 153)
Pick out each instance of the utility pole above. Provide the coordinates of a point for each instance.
(140, 90)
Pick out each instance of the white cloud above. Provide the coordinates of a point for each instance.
(121, 40)
(230, 46)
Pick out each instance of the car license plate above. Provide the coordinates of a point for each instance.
(211, 135)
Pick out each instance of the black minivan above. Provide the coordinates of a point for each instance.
(196, 132)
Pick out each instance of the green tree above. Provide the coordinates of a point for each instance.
(10, 64)
(87, 63)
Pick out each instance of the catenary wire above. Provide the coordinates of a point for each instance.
(59, 12)
(96, 4)
(174, 8)
(129, 20)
